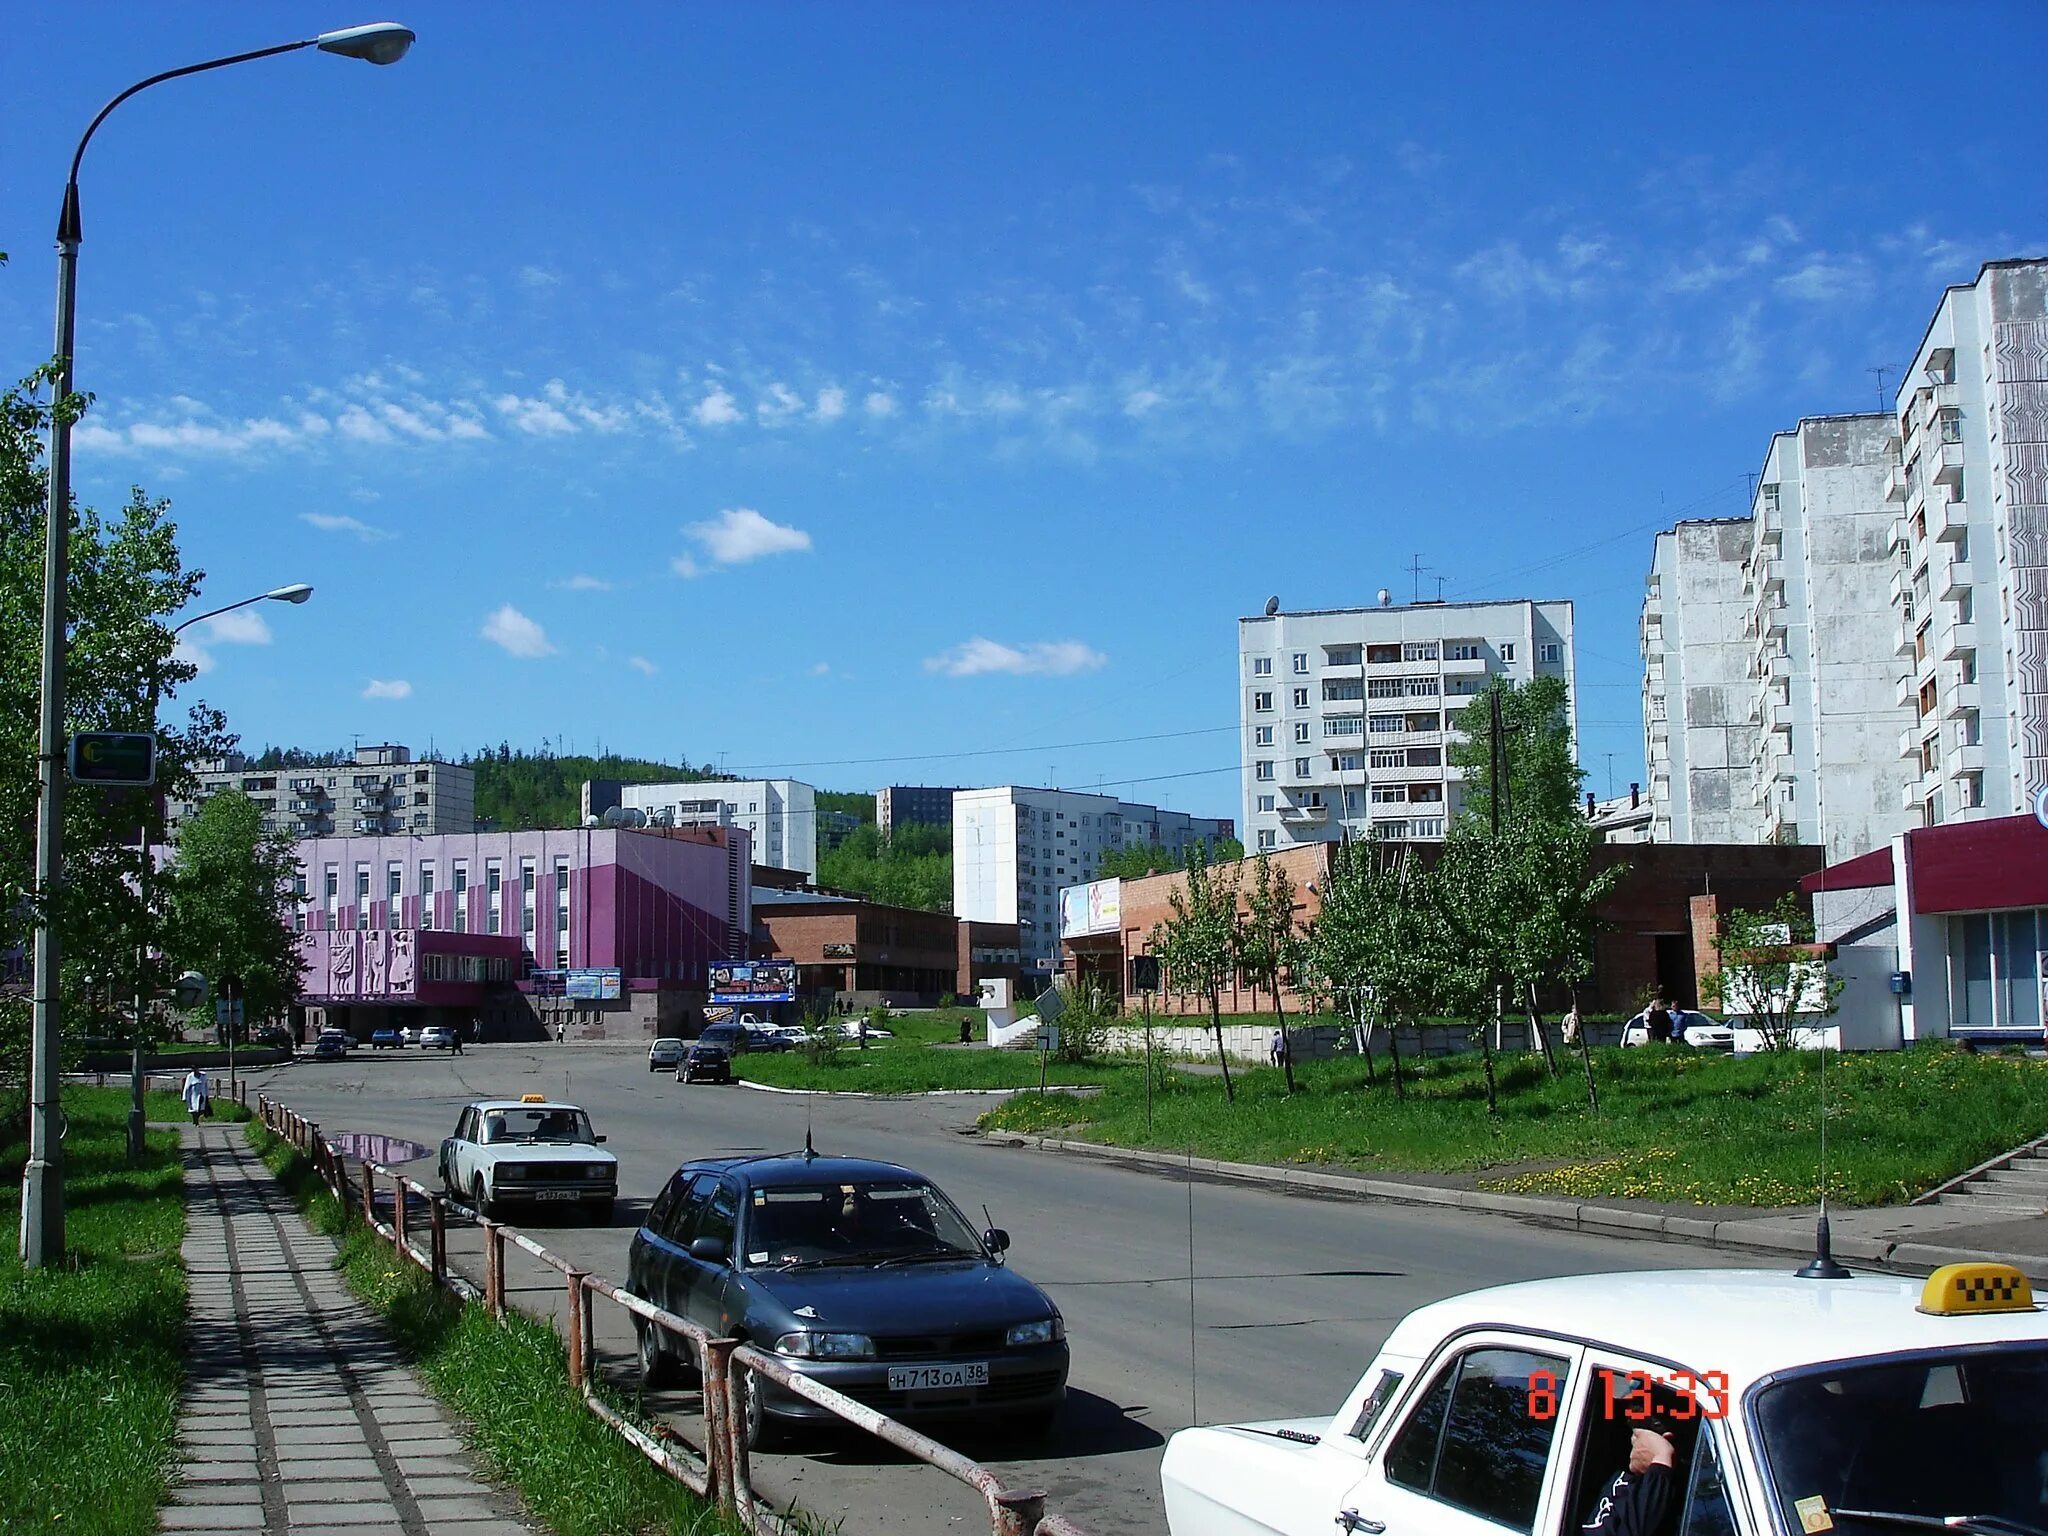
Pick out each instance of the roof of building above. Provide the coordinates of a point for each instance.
(1993, 865)
(1745, 1323)
(1425, 605)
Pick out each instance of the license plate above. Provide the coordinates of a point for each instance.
(924, 1378)
(554, 1194)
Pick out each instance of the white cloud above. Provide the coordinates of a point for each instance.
(831, 403)
(195, 656)
(740, 534)
(642, 664)
(516, 633)
(582, 583)
(717, 409)
(684, 567)
(538, 277)
(880, 404)
(1823, 278)
(1140, 402)
(232, 438)
(341, 522)
(821, 669)
(359, 425)
(535, 416)
(1042, 658)
(392, 688)
(244, 626)
(778, 405)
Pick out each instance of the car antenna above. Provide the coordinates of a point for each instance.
(810, 1152)
(1822, 1265)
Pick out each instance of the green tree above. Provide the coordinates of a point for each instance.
(911, 868)
(229, 903)
(1769, 974)
(1197, 944)
(1543, 777)
(125, 580)
(1270, 946)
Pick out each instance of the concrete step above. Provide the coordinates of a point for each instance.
(2015, 1205)
(2016, 1178)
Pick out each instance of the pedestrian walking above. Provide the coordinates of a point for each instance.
(1572, 1025)
(1658, 1022)
(456, 1036)
(198, 1099)
(560, 1031)
(1278, 1048)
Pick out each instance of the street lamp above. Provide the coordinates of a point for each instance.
(297, 592)
(42, 1180)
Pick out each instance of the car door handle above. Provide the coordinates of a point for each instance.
(1351, 1522)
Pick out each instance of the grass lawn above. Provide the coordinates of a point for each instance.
(91, 1352)
(912, 1062)
(1674, 1126)
(510, 1383)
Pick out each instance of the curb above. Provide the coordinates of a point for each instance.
(923, 1093)
(1607, 1220)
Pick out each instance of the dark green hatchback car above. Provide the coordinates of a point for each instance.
(860, 1274)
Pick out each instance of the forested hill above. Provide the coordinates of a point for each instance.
(518, 790)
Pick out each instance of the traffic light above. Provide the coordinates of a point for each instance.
(122, 759)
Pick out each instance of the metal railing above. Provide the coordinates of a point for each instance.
(716, 1469)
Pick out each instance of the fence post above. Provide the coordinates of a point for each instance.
(398, 1205)
(725, 1431)
(370, 1194)
(494, 1269)
(579, 1331)
(313, 1148)
(1018, 1511)
(437, 1215)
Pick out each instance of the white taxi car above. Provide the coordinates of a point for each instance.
(1864, 1406)
(528, 1149)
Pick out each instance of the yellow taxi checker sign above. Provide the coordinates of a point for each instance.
(1958, 1289)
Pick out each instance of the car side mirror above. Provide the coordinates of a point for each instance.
(996, 1240)
(710, 1250)
(600, 1138)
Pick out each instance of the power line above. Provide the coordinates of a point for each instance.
(1056, 746)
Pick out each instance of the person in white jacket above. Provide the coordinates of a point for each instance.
(198, 1100)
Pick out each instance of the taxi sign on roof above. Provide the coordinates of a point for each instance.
(1961, 1289)
(533, 1098)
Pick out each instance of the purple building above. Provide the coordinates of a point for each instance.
(449, 929)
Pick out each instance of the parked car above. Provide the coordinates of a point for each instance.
(410, 1034)
(438, 1037)
(667, 1052)
(386, 1040)
(329, 1048)
(859, 1274)
(852, 1029)
(790, 1037)
(736, 1041)
(273, 1037)
(530, 1149)
(340, 1037)
(1864, 1406)
(705, 1063)
(1699, 1030)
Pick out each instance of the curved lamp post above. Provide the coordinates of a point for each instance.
(42, 1180)
(297, 592)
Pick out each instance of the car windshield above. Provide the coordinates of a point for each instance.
(854, 1224)
(1901, 1445)
(541, 1122)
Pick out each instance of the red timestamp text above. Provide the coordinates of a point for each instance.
(1626, 1395)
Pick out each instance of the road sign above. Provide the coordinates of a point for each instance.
(1050, 1004)
(225, 1010)
(1048, 1039)
(113, 758)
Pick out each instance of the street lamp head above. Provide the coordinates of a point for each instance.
(381, 42)
(297, 592)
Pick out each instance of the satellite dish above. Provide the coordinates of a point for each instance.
(1386, 598)
(1272, 606)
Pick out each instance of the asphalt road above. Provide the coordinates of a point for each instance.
(1292, 1295)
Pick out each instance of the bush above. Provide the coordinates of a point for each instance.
(1084, 1027)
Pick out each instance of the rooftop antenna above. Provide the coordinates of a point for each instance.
(1272, 605)
(1439, 588)
(1415, 572)
(1883, 404)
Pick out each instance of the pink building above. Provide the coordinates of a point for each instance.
(450, 928)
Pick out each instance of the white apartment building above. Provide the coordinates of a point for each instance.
(1346, 713)
(1825, 701)
(1013, 848)
(381, 792)
(1698, 684)
(782, 814)
(1971, 495)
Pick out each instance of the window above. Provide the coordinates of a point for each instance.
(394, 880)
(1301, 767)
(1262, 666)
(1262, 736)
(494, 896)
(1375, 1404)
(1262, 701)
(426, 893)
(1381, 724)
(1507, 650)
(1471, 1442)
(1266, 804)
(1343, 655)
(1384, 688)
(1550, 653)
(1343, 725)
(1301, 733)
(562, 901)
(1301, 663)
(1419, 650)
(1301, 698)
(461, 889)
(676, 1213)
(1394, 759)
(1347, 762)
(1951, 424)
(1266, 839)
(1464, 650)
(1262, 770)
(1379, 655)
(362, 895)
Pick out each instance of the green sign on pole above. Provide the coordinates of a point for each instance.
(119, 758)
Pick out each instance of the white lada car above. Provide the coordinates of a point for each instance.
(528, 1149)
(1786, 1406)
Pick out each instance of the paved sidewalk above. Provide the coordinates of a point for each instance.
(298, 1417)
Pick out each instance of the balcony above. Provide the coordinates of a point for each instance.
(1466, 666)
(1962, 699)
(1770, 526)
(1965, 761)
(1909, 798)
(1961, 640)
(1895, 484)
(1902, 536)
(373, 825)
(1778, 719)
(1908, 694)
(370, 802)
(1902, 640)
(1916, 499)
(1959, 578)
(1902, 583)
(1950, 523)
(1946, 463)
(309, 806)
(1308, 815)
(1910, 739)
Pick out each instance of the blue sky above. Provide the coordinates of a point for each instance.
(812, 385)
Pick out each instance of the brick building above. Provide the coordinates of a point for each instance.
(866, 952)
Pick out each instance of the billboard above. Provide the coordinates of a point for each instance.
(1096, 907)
(753, 981)
(596, 984)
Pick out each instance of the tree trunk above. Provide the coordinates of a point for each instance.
(1394, 1054)
(1364, 1037)
(1286, 1045)
(1222, 1057)
(1586, 1060)
(1540, 1033)
(1492, 1087)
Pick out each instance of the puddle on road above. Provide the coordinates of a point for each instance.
(372, 1147)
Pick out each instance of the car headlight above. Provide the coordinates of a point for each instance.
(1048, 1331)
(826, 1346)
